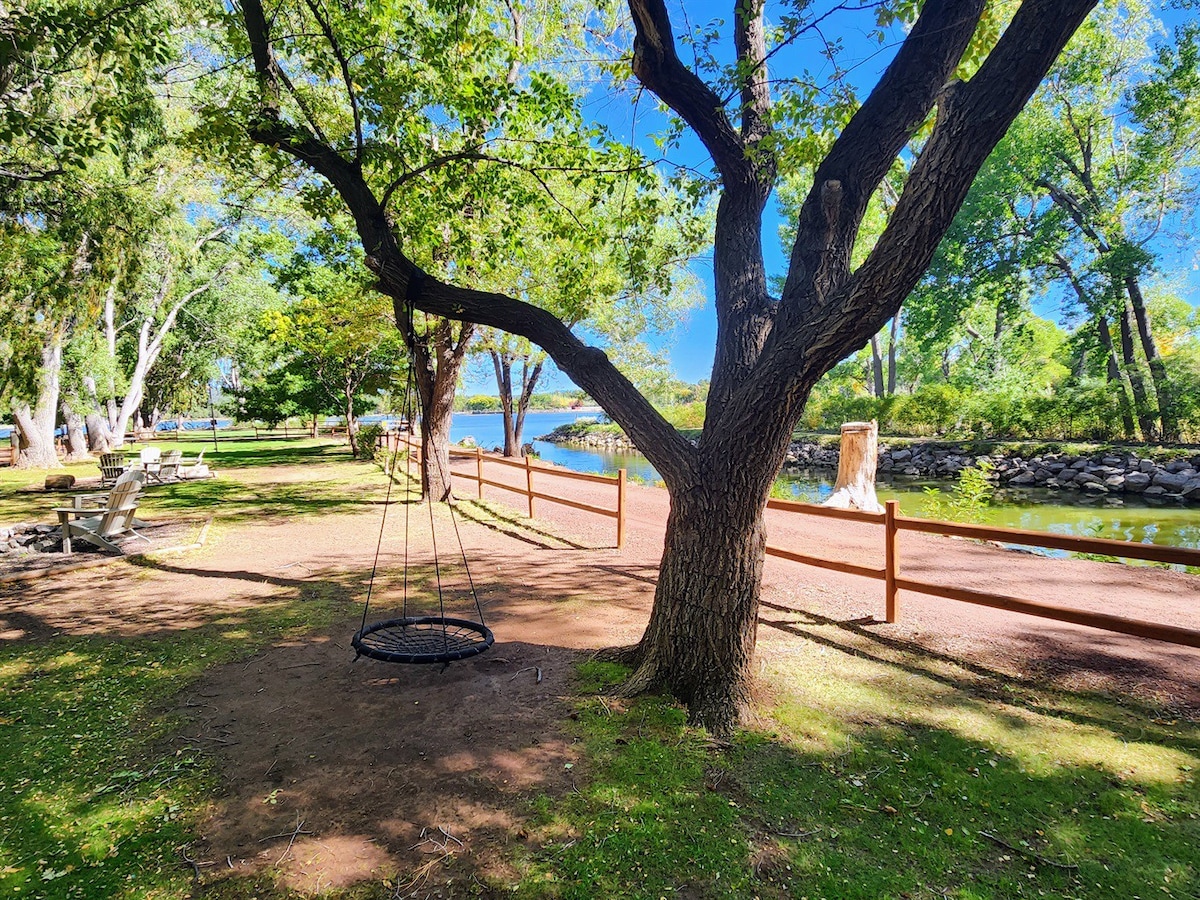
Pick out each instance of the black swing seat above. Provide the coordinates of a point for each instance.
(422, 639)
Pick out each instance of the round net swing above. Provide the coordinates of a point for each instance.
(420, 638)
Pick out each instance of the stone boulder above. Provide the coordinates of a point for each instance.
(1169, 481)
(1137, 481)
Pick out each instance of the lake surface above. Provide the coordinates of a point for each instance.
(1122, 518)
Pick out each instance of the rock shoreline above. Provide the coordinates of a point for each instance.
(1111, 471)
(1103, 472)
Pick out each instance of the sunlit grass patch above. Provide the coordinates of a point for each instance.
(885, 774)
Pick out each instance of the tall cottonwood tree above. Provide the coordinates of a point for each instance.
(770, 350)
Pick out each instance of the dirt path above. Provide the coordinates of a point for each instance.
(334, 771)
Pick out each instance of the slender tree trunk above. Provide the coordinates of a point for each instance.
(1117, 378)
(1168, 407)
(36, 425)
(514, 410)
(77, 447)
(876, 368)
(351, 421)
(529, 380)
(502, 364)
(1141, 400)
(893, 336)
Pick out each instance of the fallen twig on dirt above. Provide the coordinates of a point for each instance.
(299, 831)
(530, 669)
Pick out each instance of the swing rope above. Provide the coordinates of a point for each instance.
(414, 639)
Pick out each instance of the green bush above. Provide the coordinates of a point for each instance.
(365, 440)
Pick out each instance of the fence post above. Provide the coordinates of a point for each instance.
(479, 470)
(529, 482)
(620, 508)
(891, 554)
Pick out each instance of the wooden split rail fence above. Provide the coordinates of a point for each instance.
(892, 524)
(530, 468)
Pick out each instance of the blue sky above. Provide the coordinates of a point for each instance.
(690, 345)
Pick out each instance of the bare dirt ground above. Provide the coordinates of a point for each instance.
(334, 771)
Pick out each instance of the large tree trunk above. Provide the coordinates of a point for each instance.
(36, 425)
(1168, 408)
(699, 643)
(77, 447)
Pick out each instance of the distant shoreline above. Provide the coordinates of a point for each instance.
(496, 412)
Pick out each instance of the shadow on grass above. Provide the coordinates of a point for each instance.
(858, 638)
(93, 801)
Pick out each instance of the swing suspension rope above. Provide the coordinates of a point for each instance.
(419, 639)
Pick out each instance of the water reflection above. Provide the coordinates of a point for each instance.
(1127, 517)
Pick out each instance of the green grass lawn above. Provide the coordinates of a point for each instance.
(876, 771)
(236, 493)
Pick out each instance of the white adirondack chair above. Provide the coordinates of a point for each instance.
(168, 467)
(97, 525)
(149, 458)
(195, 468)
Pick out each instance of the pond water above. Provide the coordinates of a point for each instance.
(1122, 518)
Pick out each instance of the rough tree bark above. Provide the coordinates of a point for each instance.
(770, 351)
(36, 424)
(438, 354)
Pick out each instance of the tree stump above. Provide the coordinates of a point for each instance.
(855, 487)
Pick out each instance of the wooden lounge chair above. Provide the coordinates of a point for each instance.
(112, 467)
(195, 468)
(98, 525)
(149, 459)
(168, 467)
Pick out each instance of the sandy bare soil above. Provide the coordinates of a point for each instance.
(334, 770)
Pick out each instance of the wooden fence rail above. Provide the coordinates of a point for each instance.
(530, 492)
(893, 523)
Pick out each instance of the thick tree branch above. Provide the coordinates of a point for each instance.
(972, 118)
(865, 151)
(750, 44)
(658, 67)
